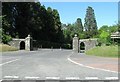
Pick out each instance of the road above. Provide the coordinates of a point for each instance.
(47, 64)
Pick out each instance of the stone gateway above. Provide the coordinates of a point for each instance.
(81, 45)
(22, 44)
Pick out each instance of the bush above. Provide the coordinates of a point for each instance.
(108, 44)
(6, 38)
(47, 44)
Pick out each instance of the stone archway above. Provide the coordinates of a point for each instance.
(82, 47)
(22, 45)
(83, 44)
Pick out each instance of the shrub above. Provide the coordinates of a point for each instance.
(6, 38)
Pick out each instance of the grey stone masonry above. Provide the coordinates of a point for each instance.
(27, 41)
(89, 43)
(75, 44)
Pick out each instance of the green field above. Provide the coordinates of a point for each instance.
(104, 51)
(4, 47)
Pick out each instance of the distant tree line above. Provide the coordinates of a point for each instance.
(89, 30)
(22, 18)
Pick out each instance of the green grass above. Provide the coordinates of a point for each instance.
(4, 48)
(104, 51)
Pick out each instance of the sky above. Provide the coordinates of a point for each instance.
(106, 13)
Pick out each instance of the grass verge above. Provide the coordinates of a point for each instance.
(4, 48)
(104, 51)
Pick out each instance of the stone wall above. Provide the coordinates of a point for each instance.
(28, 43)
(89, 43)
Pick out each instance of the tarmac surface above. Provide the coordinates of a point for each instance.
(55, 64)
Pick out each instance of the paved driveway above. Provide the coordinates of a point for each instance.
(47, 64)
(104, 63)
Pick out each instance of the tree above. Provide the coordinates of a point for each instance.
(8, 18)
(4, 36)
(58, 27)
(90, 23)
(21, 19)
(105, 32)
(0, 29)
(118, 25)
(104, 37)
(78, 25)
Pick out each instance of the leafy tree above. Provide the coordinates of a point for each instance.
(4, 36)
(105, 32)
(104, 37)
(90, 23)
(78, 25)
(0, 29)
(21, 19)
(118, 26)
(8, 18)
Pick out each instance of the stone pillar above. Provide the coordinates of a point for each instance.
(28, 43)
(75, 44)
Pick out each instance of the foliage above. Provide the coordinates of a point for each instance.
(43, 24)
(21, 19)
(118, 26)
(72, 29)
(0, 29)
(78, 26)
(90, 23)
(47, 44)
(6, 38)
(104, 34)
(4, 35)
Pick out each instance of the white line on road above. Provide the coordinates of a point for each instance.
(55, 78)
(29, 77)
(8, 62)
(111, 78)
(90, 66)
(8, 58)
(91, 78)
(9, 77)
(72, 78)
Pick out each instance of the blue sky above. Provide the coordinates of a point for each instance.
(106, 13)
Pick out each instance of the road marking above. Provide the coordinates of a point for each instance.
(72, 78)
(28, 77)
(15, 77)
(8, 62)
(91, 78)
(111, 78)
(57, 78)
(8, 58)
(89, 66)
